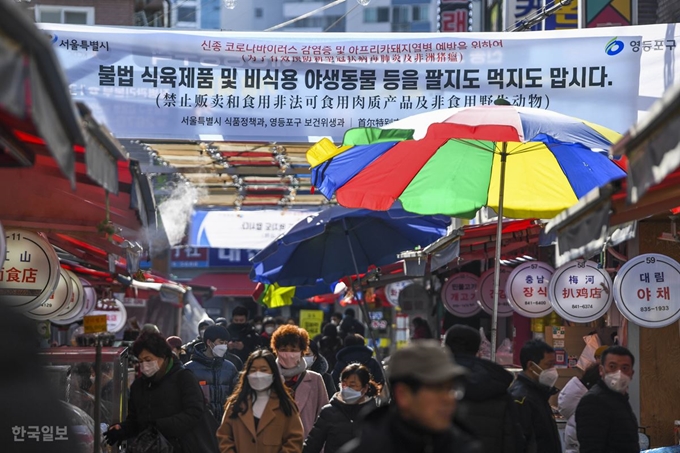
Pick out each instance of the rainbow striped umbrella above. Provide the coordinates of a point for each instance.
(522, 162)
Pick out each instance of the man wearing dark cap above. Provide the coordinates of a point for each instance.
(487, 410)
(216, 375)
(221, 322)
(426, 384)
(350, 325)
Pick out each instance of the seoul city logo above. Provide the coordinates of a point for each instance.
(614, 47)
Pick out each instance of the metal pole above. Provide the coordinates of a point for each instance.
(97, 394)
(497, 263)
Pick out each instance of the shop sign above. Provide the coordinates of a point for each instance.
(311, 321)
(459, 295)
(393, 290)
(75, 306)
(94, 323)
(580, 291)
(189, 257)
(527, 289)
(30, 273)
(116, 314)
(231, 257)
(647, 290)
(58, 301)
(485, 292)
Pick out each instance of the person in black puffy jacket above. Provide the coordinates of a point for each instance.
(339, 421)
(216, 375)
(605, 421)
(356, 352)
(317, 363)
(487, 410)
(167, 397)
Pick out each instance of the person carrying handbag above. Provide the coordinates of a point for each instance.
(166, 399)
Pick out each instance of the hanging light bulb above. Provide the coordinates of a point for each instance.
(363, 2)
(229, 4)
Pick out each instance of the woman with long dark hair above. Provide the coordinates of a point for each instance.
(339, 421)
(260, 415)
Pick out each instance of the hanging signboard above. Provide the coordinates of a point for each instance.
(393, 290)
(647, 290)
(94, 323)
(242, 229)
(30, 273)
(485, 292)
(58, 301)
(459, 295)
(73, 311)
(116, 314)
(580, 291)
(527, 289)
(214, 85)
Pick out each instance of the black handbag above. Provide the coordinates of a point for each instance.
(150, 441)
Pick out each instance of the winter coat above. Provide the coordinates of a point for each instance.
(487, 410)
(247, 335)
(338, 423)
(383, 430)
(227, 356)
(311, 397)
(606, 422)
(567, 401)
(320, 366)
(218, 374)
(329, 346)
(275, 432)
(535, 415)
(175, 405)
(361, 354)
(351, 325)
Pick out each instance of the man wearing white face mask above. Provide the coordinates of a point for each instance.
(216, 375)
(606, 422)
(531, 391)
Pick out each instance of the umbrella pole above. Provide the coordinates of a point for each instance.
(497, 262)
(362, 305)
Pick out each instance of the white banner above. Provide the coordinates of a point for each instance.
(242, 229)
(203, 85)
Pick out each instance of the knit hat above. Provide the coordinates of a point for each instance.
(174, 342)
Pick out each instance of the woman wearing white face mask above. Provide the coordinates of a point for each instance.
(215, 372)
(290, 344)
(260, 416)
(168, 398)
(339, 421)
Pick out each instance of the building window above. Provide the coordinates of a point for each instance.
(77, 15)
(401, 14)
(420, 13)
(186, 14)
(259, 12)
(376, 15)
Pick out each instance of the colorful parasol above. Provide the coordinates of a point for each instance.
(523, 163)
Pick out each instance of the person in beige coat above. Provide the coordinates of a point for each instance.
(261, 415)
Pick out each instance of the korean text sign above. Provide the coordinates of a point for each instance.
(211, 85)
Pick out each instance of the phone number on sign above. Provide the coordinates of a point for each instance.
(659, 308)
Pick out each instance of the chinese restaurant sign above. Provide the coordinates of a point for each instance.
(205, 85)
(30, 273)
(116, 314)
(580, 291)
(78, 307)
(647, 290)
(485, 292)
(459, 295)
(527, 289)
(58, 301)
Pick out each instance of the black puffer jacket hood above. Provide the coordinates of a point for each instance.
(487, 380)
(320, 365)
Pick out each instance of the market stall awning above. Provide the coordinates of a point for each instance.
(234, 285)
(652, 146)
(34, 99)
